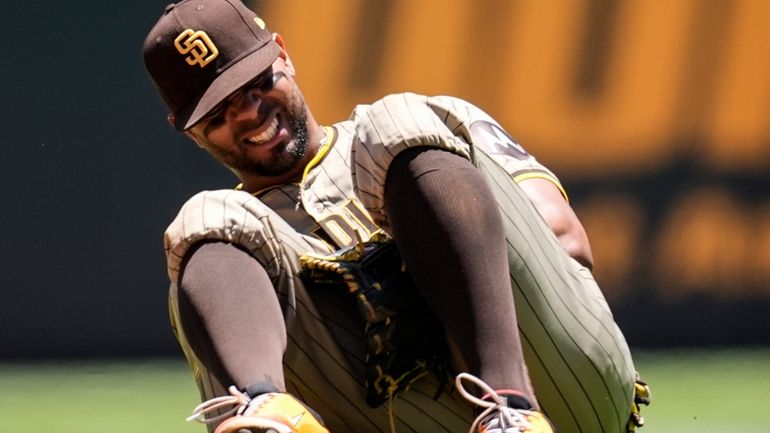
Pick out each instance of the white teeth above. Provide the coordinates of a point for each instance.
(267, 134)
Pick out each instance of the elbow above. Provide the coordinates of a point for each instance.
(578, 248)
(572, 237)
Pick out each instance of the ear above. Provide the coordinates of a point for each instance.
(284, 55)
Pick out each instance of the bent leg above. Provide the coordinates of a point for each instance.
(579, 362)
(577, 358)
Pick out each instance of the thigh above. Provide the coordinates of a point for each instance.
(578, 360)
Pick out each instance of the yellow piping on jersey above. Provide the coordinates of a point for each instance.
(540, 175)
(322, 151)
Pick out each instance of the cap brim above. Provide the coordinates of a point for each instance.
(226, 83)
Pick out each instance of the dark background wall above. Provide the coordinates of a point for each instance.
(92, 174)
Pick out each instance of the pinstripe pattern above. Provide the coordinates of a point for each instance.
(577, 358)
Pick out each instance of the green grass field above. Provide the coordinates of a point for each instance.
(693, 391)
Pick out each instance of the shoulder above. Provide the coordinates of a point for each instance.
(417, 112)
(220, 215)
(409, 103)
(412, 119)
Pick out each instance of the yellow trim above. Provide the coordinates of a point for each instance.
(541, 175)
(322, 151)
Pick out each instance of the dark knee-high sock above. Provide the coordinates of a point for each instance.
(231, 317)
(446, 223)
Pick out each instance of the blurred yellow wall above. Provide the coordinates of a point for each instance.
(600, 91)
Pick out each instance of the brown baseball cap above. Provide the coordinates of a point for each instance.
(201, 51)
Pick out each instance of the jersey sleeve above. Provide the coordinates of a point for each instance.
(239, 218)
(488, 136)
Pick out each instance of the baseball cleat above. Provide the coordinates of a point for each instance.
(497, 416)
(514, 421)
(273, 412)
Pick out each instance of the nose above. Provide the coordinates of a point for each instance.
(245, 105)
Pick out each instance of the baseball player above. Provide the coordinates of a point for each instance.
(484, 231)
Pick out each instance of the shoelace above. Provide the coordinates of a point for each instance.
(238, 400)
(507, 418)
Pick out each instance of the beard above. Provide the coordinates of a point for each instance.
(283, 157)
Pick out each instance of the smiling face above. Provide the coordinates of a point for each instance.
(261, 131)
